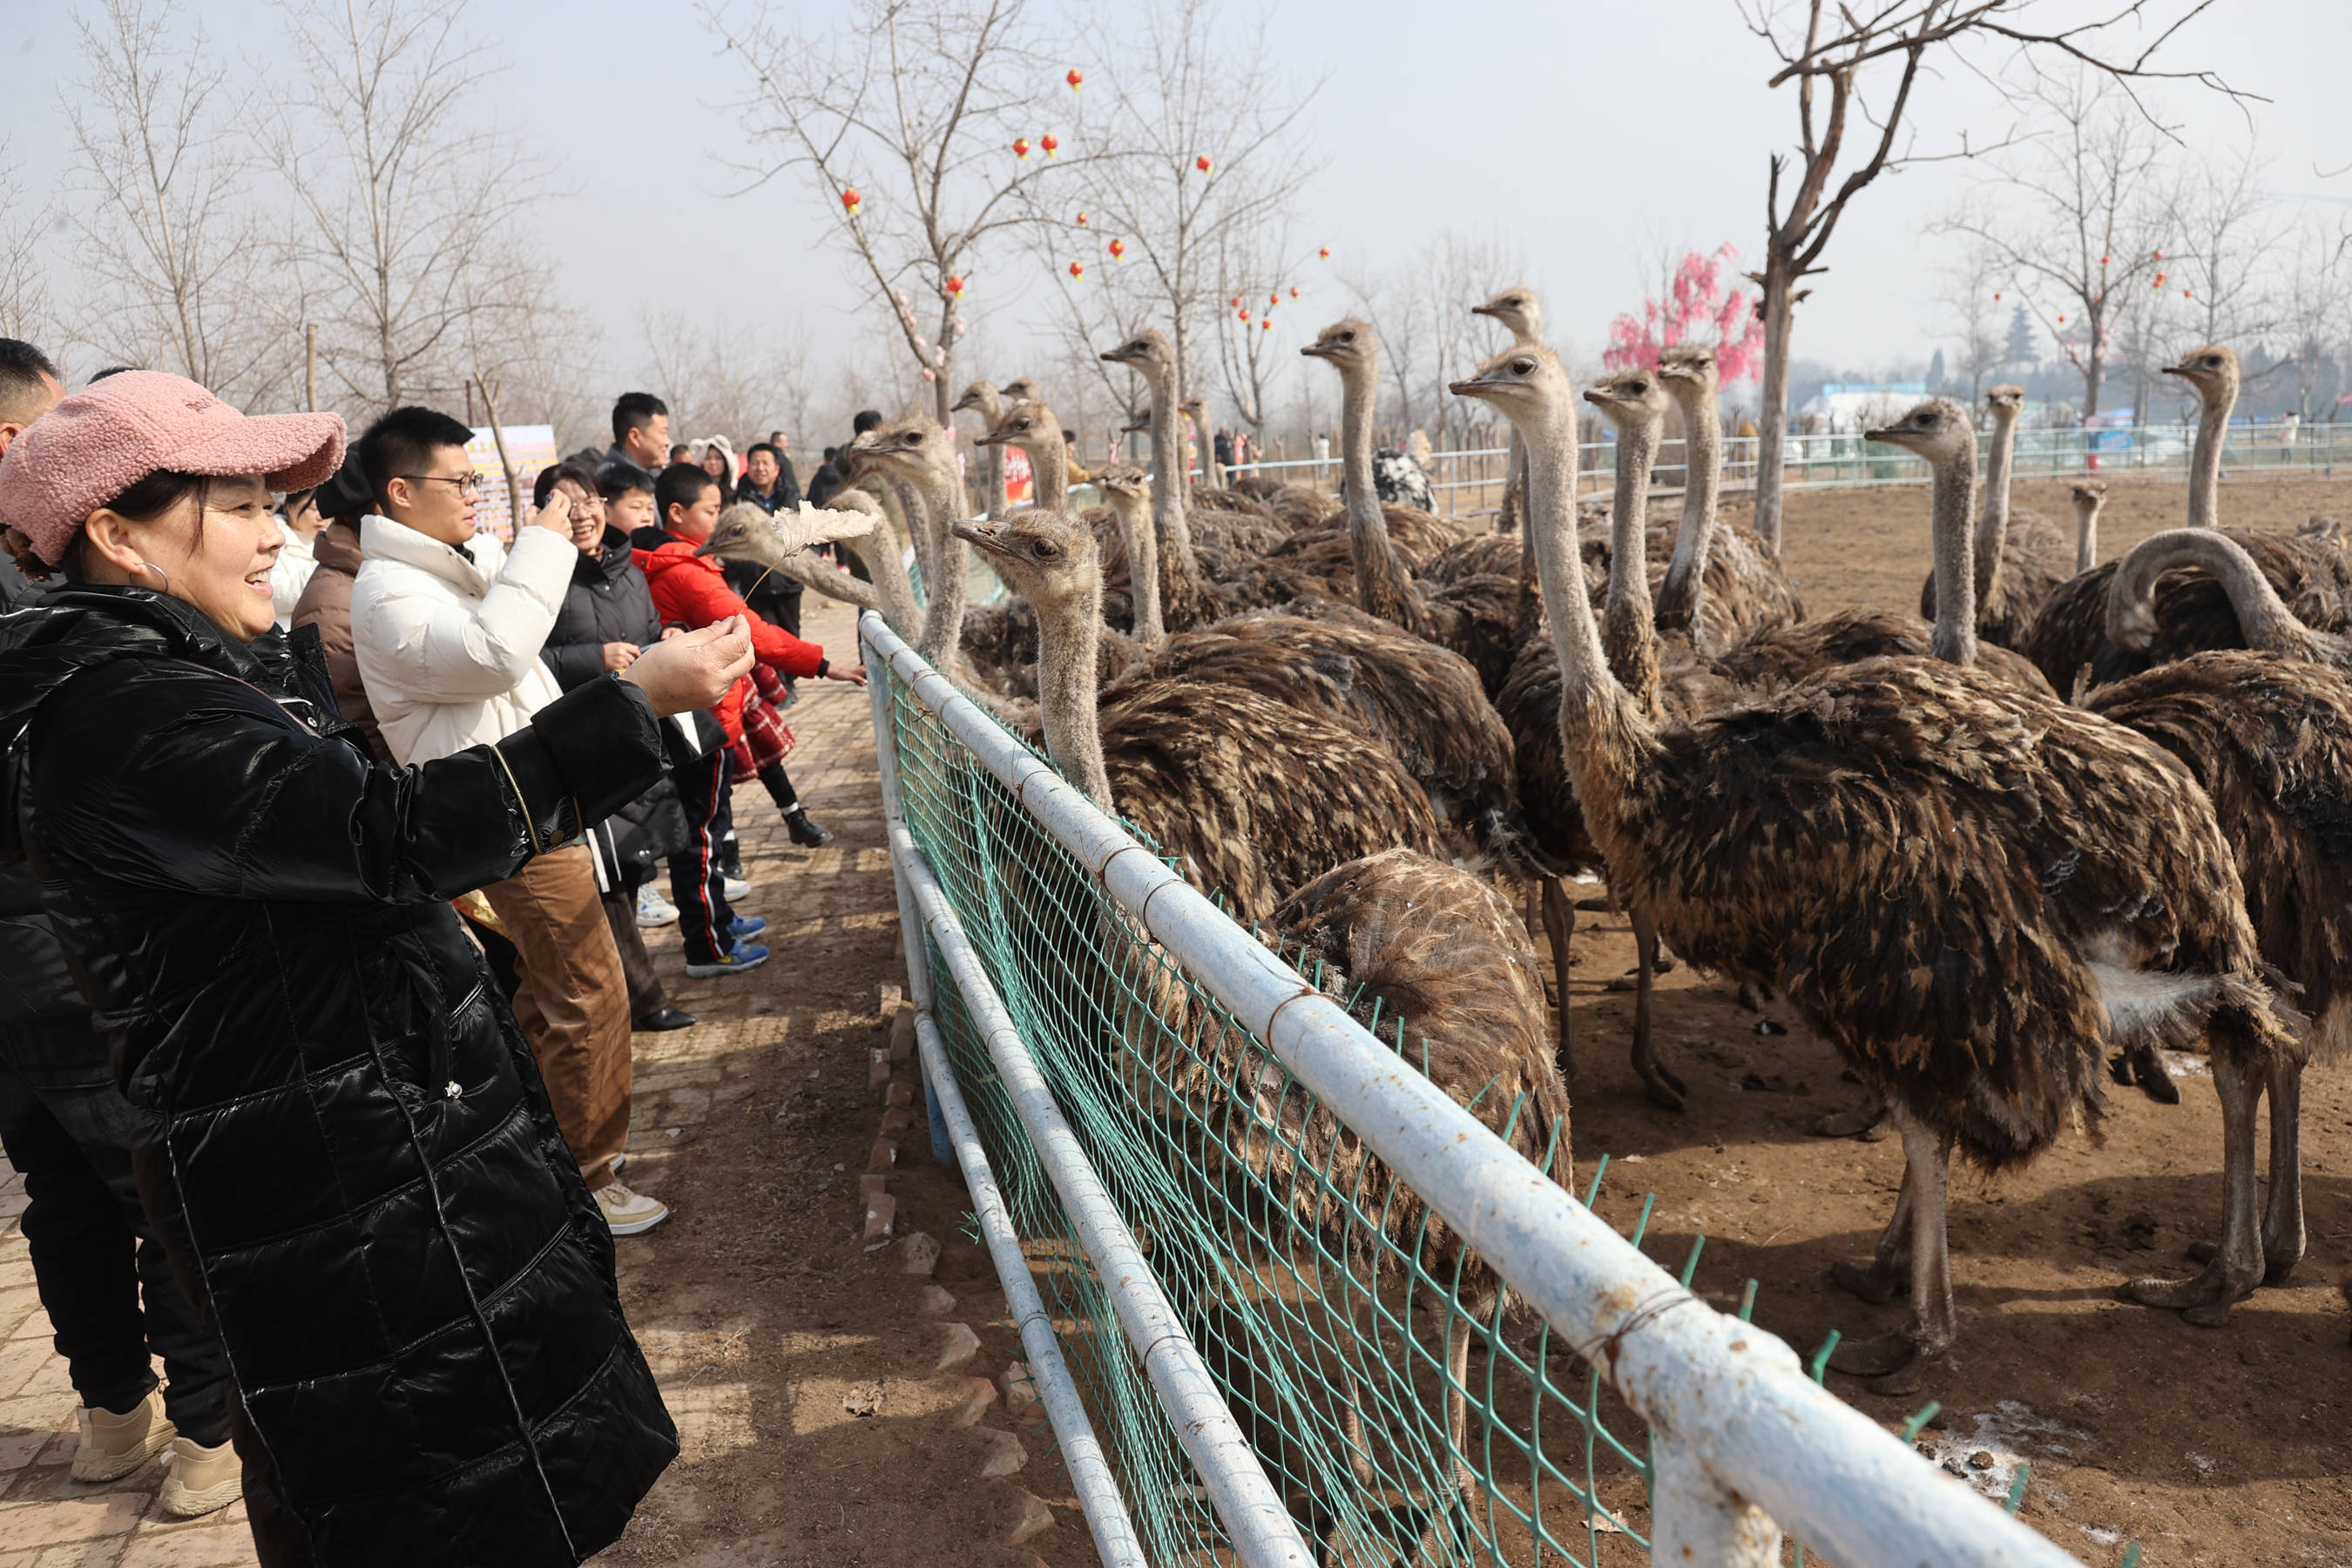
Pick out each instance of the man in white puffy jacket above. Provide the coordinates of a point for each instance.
(446, 629)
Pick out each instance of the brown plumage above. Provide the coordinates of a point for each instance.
(1254, 798)
(1781, 656)
(1423, 702)
(1964, 887)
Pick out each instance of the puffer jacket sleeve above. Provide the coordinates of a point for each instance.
(174, 777)
(438, 652)
(573, 664)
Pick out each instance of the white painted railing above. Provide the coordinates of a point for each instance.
(1746, 1443)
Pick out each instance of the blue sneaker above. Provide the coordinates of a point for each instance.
(745, 955)
(747, 926)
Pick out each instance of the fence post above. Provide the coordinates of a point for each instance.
(1695, 1520)
(910, 923)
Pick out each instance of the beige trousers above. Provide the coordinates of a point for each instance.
(573, 1005)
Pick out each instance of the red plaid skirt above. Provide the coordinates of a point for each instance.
(766, 738)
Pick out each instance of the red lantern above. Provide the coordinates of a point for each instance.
(2159, 256)
(1293, 290)
(1243, 316)
(1082, 220)
(1077, 270)
(2188, 293)
(955, 286)
(2062, 321)
(1267, 323)
(1237, 301)
(1021, 146)
(1052, 148)
(1326, 253)
(2103, 261)
(1996, 299)
(1201, 163)
(1076, 80)
(849, 200)
(1273, 299)
(1118, 248)
(2159, 281)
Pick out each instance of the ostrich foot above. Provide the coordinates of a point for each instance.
(1660, 1085)
(2278, 1267)
(2204, 1300)
(1902, 1380)
(1852, 1123)
(2155, 1079)
(1877, 1283)
(1877, 1357)
(1751, 996)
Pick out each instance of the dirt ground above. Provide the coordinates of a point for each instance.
(804, 1370)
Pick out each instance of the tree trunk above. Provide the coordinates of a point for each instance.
(1772, 411)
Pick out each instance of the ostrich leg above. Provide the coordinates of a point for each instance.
(1877, 1283)
(2283, 1239)
(1559, 924)
(1658, 1081)
(1928, 1158)
(2237, 1268)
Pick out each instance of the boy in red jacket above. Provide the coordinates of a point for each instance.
(691, 591)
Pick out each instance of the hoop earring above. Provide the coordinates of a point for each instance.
(160, 573)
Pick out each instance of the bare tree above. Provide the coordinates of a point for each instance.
(724, 379)
(2316, 308)
(904, 125)
(27, 310)
(1253, 270)
(2072, 219)
(2227, 231)
(1867, 61)
(1194, 160)
(170, 255)
(406, 195)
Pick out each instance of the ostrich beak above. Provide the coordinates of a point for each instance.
(989, 438)
(2180, 370)
(1485, 311)
(1317, 351)
(978, 533)
(1891, 436)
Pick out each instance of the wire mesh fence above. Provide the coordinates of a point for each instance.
(1404, 1410)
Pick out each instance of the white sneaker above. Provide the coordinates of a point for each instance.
(628, 1212)
(113, 1446)
(738, 890)
(653, 910)
(201, 1479)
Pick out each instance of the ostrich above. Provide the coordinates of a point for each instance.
(2267, 730)
(744, 532)
(1746, 589)
(1966, 887)
(2090, 495)
(1174, 514)
(2020, 561)
(983, 399)
(2312, 574)
(1254, 797)
(1031, 426)
(1518, 311)
(1477, 617)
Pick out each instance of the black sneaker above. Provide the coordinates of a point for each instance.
(806, 834)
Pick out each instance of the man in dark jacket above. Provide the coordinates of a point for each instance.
(326, 604)
(607, 621)
(68, 1131)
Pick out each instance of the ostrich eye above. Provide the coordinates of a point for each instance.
(1523, 367)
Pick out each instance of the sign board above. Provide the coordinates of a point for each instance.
(1019, 482)
(530, 448)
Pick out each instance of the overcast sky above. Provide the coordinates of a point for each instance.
(1590, 134)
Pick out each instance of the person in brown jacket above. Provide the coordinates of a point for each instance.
(326, 604)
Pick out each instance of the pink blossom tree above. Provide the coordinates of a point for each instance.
(1696, 308)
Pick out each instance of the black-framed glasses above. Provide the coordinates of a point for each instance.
(471, 485)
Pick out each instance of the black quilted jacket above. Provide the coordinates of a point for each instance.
(350, 1155)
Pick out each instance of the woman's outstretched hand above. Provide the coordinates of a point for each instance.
(693, 670)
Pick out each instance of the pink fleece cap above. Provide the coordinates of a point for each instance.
(110, 435)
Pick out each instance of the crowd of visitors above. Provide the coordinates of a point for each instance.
(330, 835)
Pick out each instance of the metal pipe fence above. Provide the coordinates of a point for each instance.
(1470, 483)
(1178, 1123)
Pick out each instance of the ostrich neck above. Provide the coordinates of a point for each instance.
(1679, 595)
(1142, 567)
(1068, 639)
(1383, 586)
(2087, 538)
(888, 561)
(991, 458)
(1992, 526)
(1627, 632)
(1954, 480)
(1594, 708)
(2263, 619)
(942, 498)
(1049, 460)
(2205, 463)
(1168, 482)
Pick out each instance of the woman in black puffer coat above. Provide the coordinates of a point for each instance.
(346, 1149)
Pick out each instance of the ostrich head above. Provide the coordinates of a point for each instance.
(975, 399)
(1517, 309)
(908, 447)
(1349, 346)
(1024, 424)
(2004, 399)
(1140, 424)
(1520, 382)
(1148, 352)
(1936, 429)
(1689, 370)
(1126, 480)
(2211, 370)
(1048, 556)
(1020, 389)
(744, 532)
(2090, 494)
(1197, 406)
(1631, 398)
